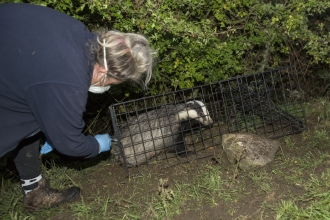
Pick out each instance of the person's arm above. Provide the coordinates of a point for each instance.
(58, 109)
(103, 139)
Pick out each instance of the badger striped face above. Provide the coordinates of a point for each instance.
(196, 110)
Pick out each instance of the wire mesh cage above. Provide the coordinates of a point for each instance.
(184, 125)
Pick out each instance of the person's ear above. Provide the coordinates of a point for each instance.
(99, 72)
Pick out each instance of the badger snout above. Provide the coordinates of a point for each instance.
(207, 121)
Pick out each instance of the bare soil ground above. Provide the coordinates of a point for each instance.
(243, 195)
(207, 188)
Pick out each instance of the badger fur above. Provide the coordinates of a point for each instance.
(160, 130)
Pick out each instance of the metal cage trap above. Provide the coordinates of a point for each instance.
(180, 126)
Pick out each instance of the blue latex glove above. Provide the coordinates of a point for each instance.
(46, 148)
(104, 142)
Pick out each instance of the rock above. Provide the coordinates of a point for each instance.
(249, 150)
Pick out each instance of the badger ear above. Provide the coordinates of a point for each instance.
(190, 104)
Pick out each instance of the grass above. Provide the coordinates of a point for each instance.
(296, 185)
(314, 204)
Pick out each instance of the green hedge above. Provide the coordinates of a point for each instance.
(202, 41)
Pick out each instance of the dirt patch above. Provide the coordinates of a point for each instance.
(65, 215)
(250, 201)
(205, 188)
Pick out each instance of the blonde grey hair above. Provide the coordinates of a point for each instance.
(128, 56)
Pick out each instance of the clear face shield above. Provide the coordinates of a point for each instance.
(101, 89)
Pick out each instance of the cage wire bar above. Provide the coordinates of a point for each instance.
(149, 130)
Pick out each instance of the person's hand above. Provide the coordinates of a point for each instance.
(46, 148)
(104, 142)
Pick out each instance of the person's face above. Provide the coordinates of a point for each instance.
(98, 77)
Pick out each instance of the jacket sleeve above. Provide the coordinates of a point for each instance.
(58, 109)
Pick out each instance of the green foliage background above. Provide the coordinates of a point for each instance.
(203, 41)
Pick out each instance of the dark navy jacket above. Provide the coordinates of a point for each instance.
(45, 72)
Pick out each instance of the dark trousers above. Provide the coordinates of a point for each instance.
(26, 159)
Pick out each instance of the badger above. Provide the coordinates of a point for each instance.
(163, 129)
